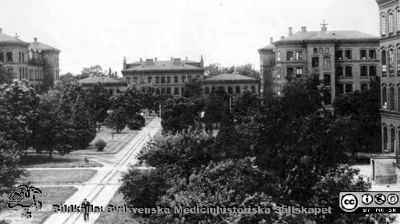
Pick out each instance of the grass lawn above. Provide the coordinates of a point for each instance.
(116, 218)
(58, 161)
(50, 196)
(57, 176)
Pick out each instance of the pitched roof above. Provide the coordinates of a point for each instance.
(151, 65)
(229, 77)
(41, 46)
(4, 38)
(101, 80)
(328, 35)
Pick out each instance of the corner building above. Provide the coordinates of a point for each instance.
(389, 15)
(344, 60)
(32, 61)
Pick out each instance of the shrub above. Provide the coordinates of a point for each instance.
(100, 144)
(137, 122)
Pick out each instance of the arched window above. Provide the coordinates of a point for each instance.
(384, 62)
(398, 98)
(391, 23)
(384, 97)
(383, 25)
(392, 139)
(391, 61)
(391, 97)
(385, 138)
(398, 61)
(398, 20)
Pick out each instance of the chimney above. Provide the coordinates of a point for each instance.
(186, 58)
(35, 40)
(1, 30)
(155, 59)
(271, 40)
(141, 60)
(290, 31)
(303, 29)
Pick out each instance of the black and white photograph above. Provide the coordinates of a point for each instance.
(200, 112)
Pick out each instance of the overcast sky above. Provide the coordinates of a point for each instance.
(229, 32)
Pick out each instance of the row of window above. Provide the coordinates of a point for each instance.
(340, 54)
(162, 79)
(6, 57)
(230, 89)
(347, 71)
(389, 98)
(33, 75)
(388, 24)
(388, 61)
(326, 62)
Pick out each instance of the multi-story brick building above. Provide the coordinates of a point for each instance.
(234, 84)
(167, 77)
(389, 11)
(35, 61)
(344, 60)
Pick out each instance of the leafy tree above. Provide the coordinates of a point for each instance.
(5, 76)
(130, 101)
(149, 99)
(18, 102)
(68, 78)
(184, 152)
(94, 70)
(192, 89)
(9, 163)
(117, 119)
(230, 143)
(361, 110)
(84, 125)
(217, 106)
(97, 99)
(248, 70)
(216, 69)
(54, 130)
(143, 189)
(179, 114)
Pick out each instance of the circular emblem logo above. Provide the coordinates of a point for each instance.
(380, 199)
(393, 199)
(349, 202)
(367, 199)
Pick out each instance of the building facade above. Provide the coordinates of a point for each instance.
(344, 60)
(166, 77)
(35, 61)
(234, 84)
(389, 11)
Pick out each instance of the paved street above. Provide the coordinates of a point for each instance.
(101, 188)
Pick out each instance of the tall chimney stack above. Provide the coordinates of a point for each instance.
(271, 40)
(35, 40)
(290, 31)
(303, 29)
